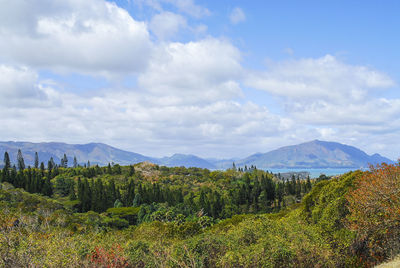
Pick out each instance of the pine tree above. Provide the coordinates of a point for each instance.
(7, 163)
(20, 160)
(94, 197)
(292, 184)
(103, 196)
(308, 184)
(42, 169)
(98, 196)
(298, 188)
(255, 194)
(87, 196)
(111, 193)
(131, 170)
(279, 192)
(47, 188)
(12, 175)
(36, 160)
(6, 169)
(50, 164)
(64, 161)
(75, 162)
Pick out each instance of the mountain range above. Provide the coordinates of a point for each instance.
(313, 154)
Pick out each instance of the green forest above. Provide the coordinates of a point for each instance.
(145, 215)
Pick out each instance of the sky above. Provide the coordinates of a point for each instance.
(218, 79)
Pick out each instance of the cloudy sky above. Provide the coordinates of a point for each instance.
(218, 79)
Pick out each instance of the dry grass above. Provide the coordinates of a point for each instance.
(395, 263)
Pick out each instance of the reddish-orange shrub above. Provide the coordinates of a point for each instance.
(374, 206)
(112, 258)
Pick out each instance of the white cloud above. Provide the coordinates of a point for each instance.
(84, 36)
(237, 15)
(324, 78)
(167, 24)
(339, 101)
(18, 87)
(148, 122)
(133, 120)
(17, 82)
(194, 72)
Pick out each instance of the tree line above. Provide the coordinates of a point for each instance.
(251, 191)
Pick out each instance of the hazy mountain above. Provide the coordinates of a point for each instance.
(96, 153)
(185, 160)
(314, 154)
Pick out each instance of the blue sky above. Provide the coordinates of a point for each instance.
(211, 78)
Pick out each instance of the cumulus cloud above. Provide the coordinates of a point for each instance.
(157, 122)
(237, 15)
(369, 112)
(18, 87)
(167, 24)
(324, 78)
(17, 82)
(194, 72)
(84, 36)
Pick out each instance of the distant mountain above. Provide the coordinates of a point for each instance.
(314, 154)
(185, 160)
(96, 153)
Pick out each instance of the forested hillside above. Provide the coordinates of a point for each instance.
(145, 215)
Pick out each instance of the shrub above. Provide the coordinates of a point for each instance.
(375, 213)
(112, 258)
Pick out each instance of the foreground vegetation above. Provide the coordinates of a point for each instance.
(151, 216)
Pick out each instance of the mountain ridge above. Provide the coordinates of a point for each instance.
(312, 154)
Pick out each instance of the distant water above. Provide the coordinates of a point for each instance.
(315, 172)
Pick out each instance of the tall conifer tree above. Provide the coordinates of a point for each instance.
(20, 160)
(36, 160)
